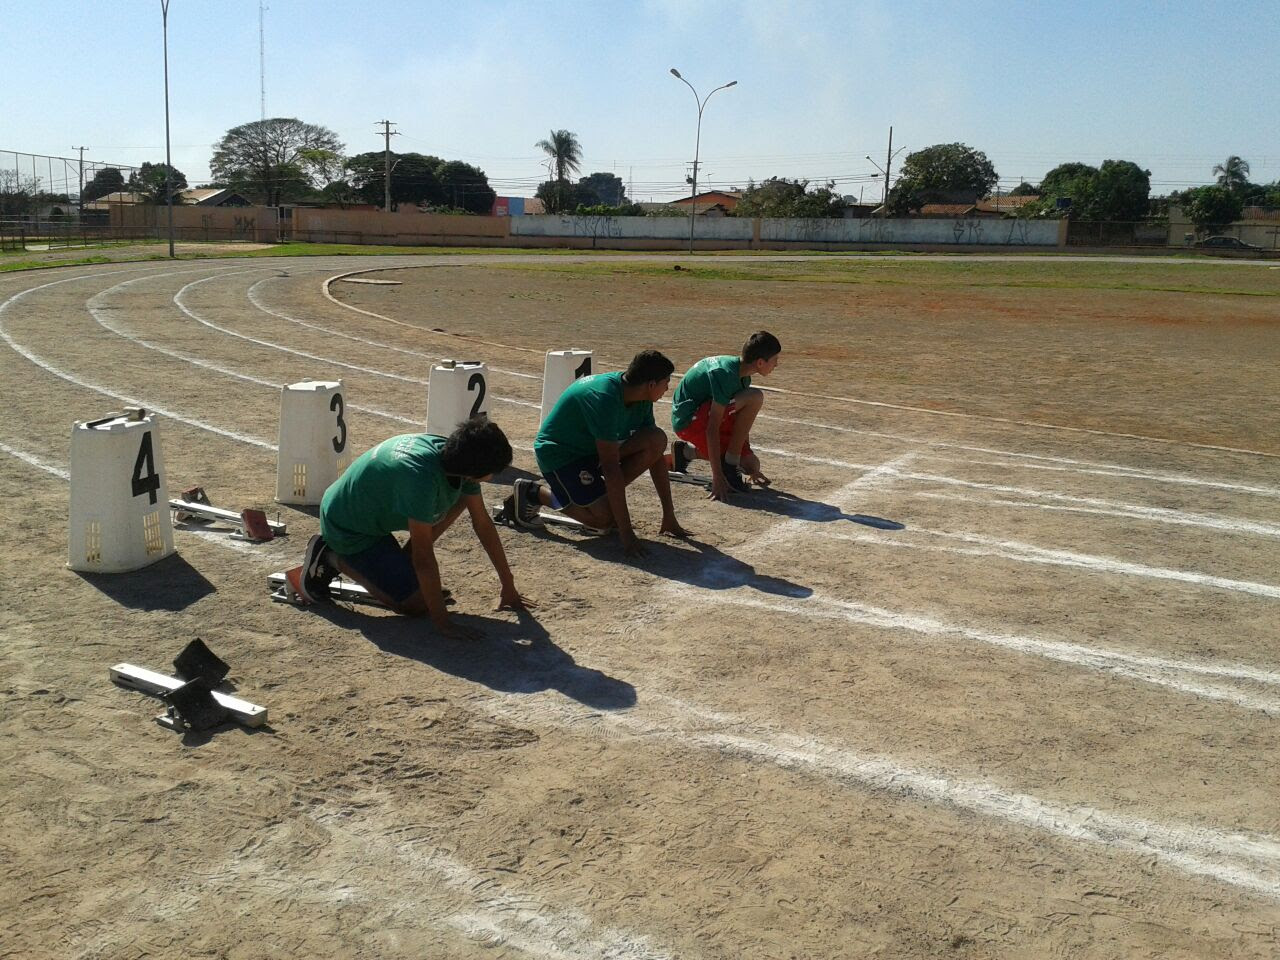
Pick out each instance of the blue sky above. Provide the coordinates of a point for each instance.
(1173, 86)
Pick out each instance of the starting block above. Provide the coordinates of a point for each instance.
(251, 524)
(546, 517)
(192, 703)
(340, 589)
(689, 478)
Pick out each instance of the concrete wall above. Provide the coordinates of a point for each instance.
(404, 227)
(254, 224)
(307, 224)
(1258, 232)
(631, 228)
(940, 232)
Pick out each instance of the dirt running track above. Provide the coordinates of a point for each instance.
(1040, 720)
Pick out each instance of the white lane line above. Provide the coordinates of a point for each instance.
(1239, 858)
(1103, 470)
(1136, 511)
(1161, 671)
(517, 919)
(96, 388)
(99, 310)
(1036, 424)
(32, 460)
(257, 302)
(1029, 553)
(178, 299)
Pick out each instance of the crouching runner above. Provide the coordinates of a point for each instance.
(599, 437)
(714, 409)
(419, 483)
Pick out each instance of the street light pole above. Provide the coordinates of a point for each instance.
(168, 159)
(697, 145)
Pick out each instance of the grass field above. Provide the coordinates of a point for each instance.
(992, 671)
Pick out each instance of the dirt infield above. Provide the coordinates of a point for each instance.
(995, 672)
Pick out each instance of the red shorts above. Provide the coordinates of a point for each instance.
(696, 431)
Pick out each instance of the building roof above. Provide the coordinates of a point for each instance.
(948, 209)
(729, 198)
(104, 203)
(1005, 203)
(210, 196)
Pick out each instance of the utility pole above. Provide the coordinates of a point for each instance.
(262, 56)
(387, 134)
(888, 164)
(80, 195)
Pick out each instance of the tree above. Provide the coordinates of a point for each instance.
(465, 187)
(565, 153)
(414, 178)
(945, 172)
(106, 180)
(603, 188)
(1212, 208)
(1233, 174)
(557, 196)
(148, 182)
(1024, 189)
(780, 197)
(276, 160)
(1121, 192)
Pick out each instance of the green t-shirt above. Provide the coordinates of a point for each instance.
(399, 480)
(590, 409)
(713, 378)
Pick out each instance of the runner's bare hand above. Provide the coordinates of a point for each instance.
(512, 599)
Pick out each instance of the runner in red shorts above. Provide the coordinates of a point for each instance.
(713, 410)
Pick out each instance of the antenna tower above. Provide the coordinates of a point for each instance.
(262, 55)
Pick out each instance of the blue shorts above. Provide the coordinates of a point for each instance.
(387, 566)
(580, 483)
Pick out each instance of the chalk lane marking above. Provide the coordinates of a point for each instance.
(1175, 674)
(254, 298)
(96, 388)
(519, 919)
(1035, 424)
(1103, 470)
(1081, 466)
(1030, 553)
(1161, 671)
(1247, 860)
(99, 309)
(38, 462)
(178, 299)
(1135, 511)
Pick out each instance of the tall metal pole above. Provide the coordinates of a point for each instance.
(697, 146)
(80, 195)
(387, 134)
(888, 164)
(168, 159)
(262, 56)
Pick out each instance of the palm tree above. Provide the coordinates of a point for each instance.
(1234, 174)
(565, 153)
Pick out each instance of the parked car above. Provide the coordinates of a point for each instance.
(1226, 243)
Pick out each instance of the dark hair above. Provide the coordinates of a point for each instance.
(476, 449)
(760, 346)
(647, 366)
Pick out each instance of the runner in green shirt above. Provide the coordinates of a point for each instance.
(599, 437)
(414, 482)
(714, 409)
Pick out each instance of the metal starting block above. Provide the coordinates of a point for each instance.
(689, 478)
(253, 525)
(189, 701)
(339, 589)
(500, 515)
